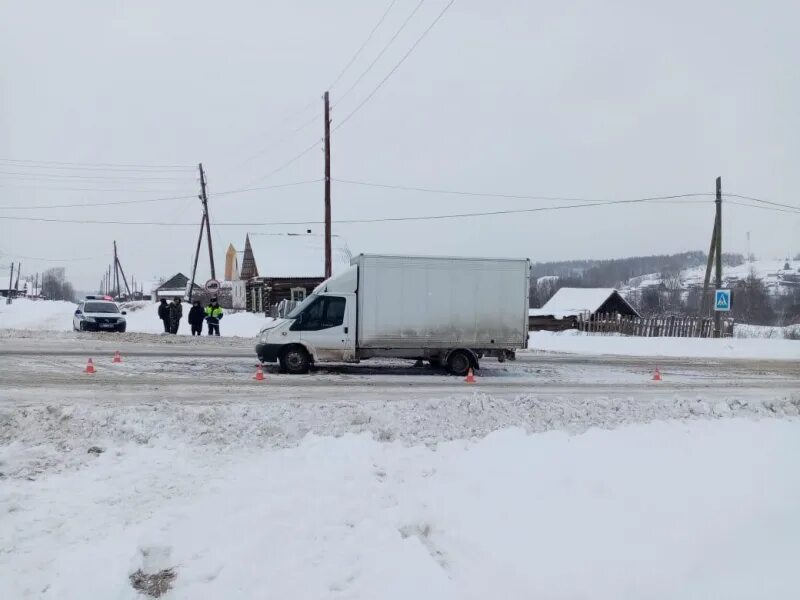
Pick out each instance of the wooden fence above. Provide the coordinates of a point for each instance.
(653, 326)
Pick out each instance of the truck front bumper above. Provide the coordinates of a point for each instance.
(268, 352)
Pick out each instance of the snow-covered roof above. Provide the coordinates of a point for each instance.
(297, 255)
(575, 301)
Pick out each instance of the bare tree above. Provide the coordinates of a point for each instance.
(751, 302)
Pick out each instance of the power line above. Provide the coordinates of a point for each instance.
(266, 187)
(90, 204)
(148, 200)
(793, 211)
(397, 66)
(50, 177)
(373, 92)
(73, 189)
(382, 52)
(360, 221)
(9, 163)
(79, 165)
(305, 108)
(501, 195)
(318, 115)
(20, 257)
(288, 163)
(759, 200)
(364, 45)
(283, 138)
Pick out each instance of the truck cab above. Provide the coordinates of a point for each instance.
(320, 329)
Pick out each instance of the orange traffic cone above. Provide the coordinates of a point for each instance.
(657, 375)
(470, 377)
(117, 357)
(259, 374)
(89, 367)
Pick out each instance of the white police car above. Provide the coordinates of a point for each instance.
(98, 313)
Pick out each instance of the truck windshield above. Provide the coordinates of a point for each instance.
(301, 307)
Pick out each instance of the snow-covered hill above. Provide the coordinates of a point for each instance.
(777, 279)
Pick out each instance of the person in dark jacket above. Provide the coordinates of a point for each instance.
(163, 314)
(213, 316)
(196, 317)
(175, 315)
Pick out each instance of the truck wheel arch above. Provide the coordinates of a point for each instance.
(295, 347)
(473, 358)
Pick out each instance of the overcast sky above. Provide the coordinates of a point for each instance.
(605, 100)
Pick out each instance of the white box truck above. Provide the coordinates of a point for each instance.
(449, 311)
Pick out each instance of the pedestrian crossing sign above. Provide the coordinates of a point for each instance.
(722, 300)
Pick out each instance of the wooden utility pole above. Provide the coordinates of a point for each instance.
(119, 271)
(328, 270)
(204, 199)
(718, 251)
(16, 283)
(10, 278)
(705, 301)
(116, 271)
(197, 256)
(124, 279)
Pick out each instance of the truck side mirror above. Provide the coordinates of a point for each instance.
(124, 312)
(78, 312)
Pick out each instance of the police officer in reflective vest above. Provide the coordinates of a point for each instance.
(213, 317)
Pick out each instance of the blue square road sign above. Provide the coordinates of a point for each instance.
(722, 300)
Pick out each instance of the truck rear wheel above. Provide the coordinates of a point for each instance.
(459, 362)
(295, 360)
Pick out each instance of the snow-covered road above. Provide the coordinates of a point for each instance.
(557, 475)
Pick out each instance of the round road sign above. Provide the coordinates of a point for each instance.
(212, 285)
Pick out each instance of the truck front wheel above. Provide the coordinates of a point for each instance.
(459, 362)
(295, 360)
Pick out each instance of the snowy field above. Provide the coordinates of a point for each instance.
(582, 343)
(142, 317)
(694, 510)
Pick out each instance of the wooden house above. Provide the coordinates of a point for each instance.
(568, 305)
(285, 267)
(175, 286)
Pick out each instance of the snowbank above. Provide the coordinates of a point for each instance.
(36, 314)
(666, 510)
(581, 343)
(790, 332)
(142, 318)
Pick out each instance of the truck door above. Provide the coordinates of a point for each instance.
(326, 328)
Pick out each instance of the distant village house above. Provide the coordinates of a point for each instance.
(568, 305)
(281, 269)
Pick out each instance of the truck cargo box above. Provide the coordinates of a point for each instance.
(441, 302)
